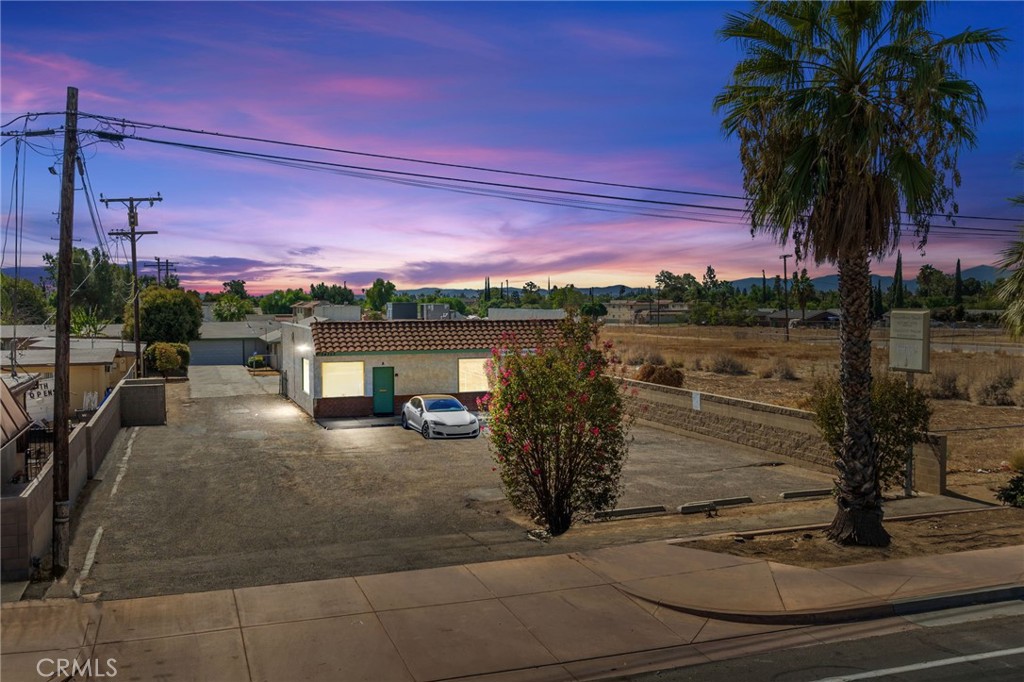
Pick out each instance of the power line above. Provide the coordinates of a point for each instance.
(127, 122)
(492, 188)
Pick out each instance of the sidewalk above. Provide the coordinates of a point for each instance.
(574, 616)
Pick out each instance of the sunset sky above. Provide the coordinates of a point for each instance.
(613, 92)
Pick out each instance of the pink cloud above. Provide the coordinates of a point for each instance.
(394, 23)
(607, 40)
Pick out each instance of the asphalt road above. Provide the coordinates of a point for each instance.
(963, 645)
(242, 488)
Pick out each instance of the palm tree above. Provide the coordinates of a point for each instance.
(1011, 289)
(850, 116)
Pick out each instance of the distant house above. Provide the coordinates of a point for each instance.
(328, 311)
(353, 369)
(645, 312)
(92, 371)
(230, 343)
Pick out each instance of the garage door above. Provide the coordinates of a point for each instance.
(219, 351)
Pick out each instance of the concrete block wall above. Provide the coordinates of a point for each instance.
(782, 432)
(103, 429)
(26, 521)
(78, 461)
(143, 402)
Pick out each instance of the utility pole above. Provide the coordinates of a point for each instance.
(62, 359)
(785, 287)
(134, 235)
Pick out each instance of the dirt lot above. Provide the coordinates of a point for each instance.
(981, 439)
(998, 527)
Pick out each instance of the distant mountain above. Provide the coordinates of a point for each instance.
(612, 291)
(32, 273)
(983, 273)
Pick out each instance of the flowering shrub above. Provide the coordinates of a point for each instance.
(557, 424)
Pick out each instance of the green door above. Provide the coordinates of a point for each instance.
(383, 390)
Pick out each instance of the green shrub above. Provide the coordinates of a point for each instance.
(899, 415)
(557, 425)
(255, 362)
(1013, 492)
(163, 357)
(660, 374)
(723, 363)
(184, 354)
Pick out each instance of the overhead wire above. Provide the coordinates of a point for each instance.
(406, 159)
(500, 189)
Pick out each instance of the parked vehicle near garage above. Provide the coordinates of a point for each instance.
(439, 416)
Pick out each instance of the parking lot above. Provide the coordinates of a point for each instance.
(243, 488)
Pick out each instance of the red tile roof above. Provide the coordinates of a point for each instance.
(420, 335)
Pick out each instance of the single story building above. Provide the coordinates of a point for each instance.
(356, 369)
(92, 371)
(230, 343)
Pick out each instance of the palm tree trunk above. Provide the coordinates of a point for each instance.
(858, 519)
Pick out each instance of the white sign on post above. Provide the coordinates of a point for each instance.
(909, 340)
(39, 401)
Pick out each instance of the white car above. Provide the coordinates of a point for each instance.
(439, 416)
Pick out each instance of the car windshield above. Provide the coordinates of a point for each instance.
(443, 405)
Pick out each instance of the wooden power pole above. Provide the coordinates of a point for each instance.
(62, 360)
(785, 288)
(134, 235)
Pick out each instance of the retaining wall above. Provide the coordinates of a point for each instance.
(26, 518)
(783, 432)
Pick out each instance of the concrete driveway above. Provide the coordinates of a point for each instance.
(242, 488)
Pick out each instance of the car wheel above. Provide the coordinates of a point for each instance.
(425, 430)
(405, 422)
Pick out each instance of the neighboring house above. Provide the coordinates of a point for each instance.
(230, 343)
(525, 314)
(354, 369)
(16, 423)
(325, 310)
(645, 312)
(34, 331)
(92, 371)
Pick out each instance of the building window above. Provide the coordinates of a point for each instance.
(307, 376)
(342, 379)
(472, 376)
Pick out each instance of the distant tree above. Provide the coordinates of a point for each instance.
(933, 283)
(566, 297)
(958, 286)
(340, 295)
(764, 288)
(171, 315)
(96, 282)
(231, 308)
(171, 281)
(557, 424)
(280, 301)
(593, 309)
(1011, 290)
(877, 306)
(21, 302)
(236, 287)
(898, 294)
(85, 322)
(803, 291)
(531, 294)
(380, 294)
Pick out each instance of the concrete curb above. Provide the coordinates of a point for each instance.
(862, 612)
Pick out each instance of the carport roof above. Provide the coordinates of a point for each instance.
(330, 338)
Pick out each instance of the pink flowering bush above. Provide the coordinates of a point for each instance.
(557, 424)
